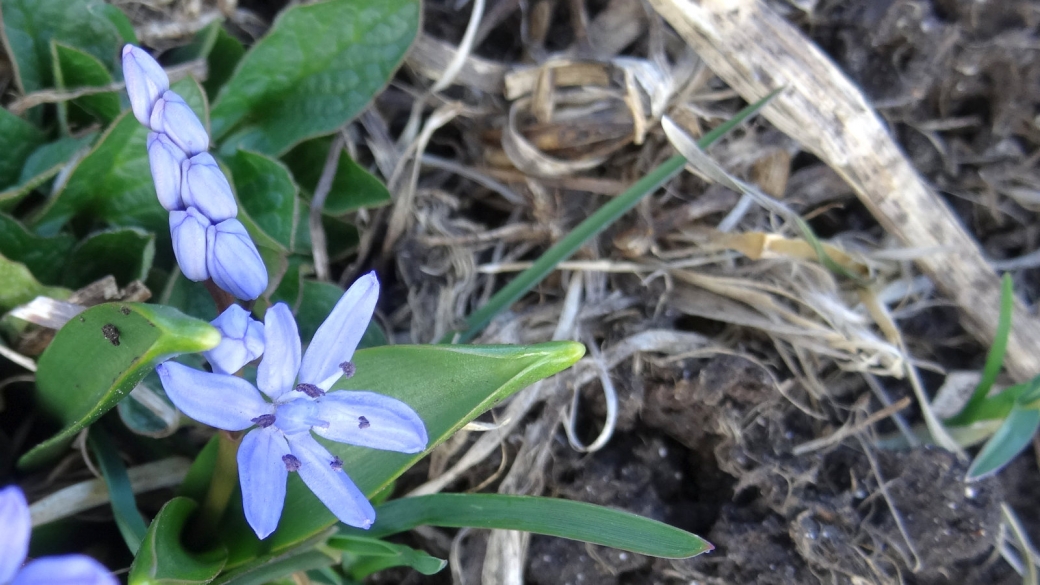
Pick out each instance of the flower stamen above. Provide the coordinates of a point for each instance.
(363, 423)
(310, 390)
(336, 464)
(263, 421)
(349, 369)
(291, 462)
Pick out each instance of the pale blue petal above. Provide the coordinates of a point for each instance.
(165, 159)
(262, 474)
(332, 486)
(277, 372)
(242, 340)
(188, 230)
(218, 400)
(337, 338)
(205, 187)
(65, 570)
(298, 416)
(145, 81)
(15, 527)
(172, 116)
(371, 420)
(234, 263)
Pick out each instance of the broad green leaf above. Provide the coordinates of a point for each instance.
(44, 257)
(18, 138)
(551, 516)
(317, 300)
(100, 356)
(318, 67)
(189, 297)
(163, 560)
(368, 555)
(17, 286)
(44, 163)
(269, 567)
(266, 195)
(1014, 435)
(120, 494)
(447, 385)
(352, 188)
(341, 237)
(73, 69)
(125, 253)
(29, 26)
(113, 182)
(220, 50)
(123, 26)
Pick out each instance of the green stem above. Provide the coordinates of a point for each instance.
(221, 486)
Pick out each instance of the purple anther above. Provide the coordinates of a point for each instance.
(363, 423)
(349, 369)
(310, 390)
(291, 462)
(336, 464)
(264, 420)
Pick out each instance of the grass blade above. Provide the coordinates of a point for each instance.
(592, 225)
(994, 359)
(120, 493)
(550, 516)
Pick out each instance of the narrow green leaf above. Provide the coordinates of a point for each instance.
(973, 409)
(30, 25)
(17, 286)
(318, 66)
(44, 257)
(352, 188)
(18, 138)
(447, 385)
(98, 357)
(120, 494)
(267, 195)
(125, 253)
(163, 560)
(592, 225)
(113, 182)
(74, 69)
(44, 163)
(369, 555)
(269, 567)
(1010, 439)
(551, 516)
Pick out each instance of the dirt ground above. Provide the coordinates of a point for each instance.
(732, 376)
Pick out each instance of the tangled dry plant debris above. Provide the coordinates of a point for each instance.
(719, 338)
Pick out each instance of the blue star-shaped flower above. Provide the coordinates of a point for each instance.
(297, 403)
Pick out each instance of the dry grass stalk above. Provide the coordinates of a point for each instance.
(756, 51)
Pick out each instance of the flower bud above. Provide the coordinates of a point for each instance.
(172, 116)
(242, 341)
(233, 261)
(165, 158)
(206, 188)
(145, 81)
(188, 229)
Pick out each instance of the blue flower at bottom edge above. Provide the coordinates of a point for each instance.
(15, 529)
(281, 440)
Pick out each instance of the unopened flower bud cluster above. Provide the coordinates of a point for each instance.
(208, 241)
